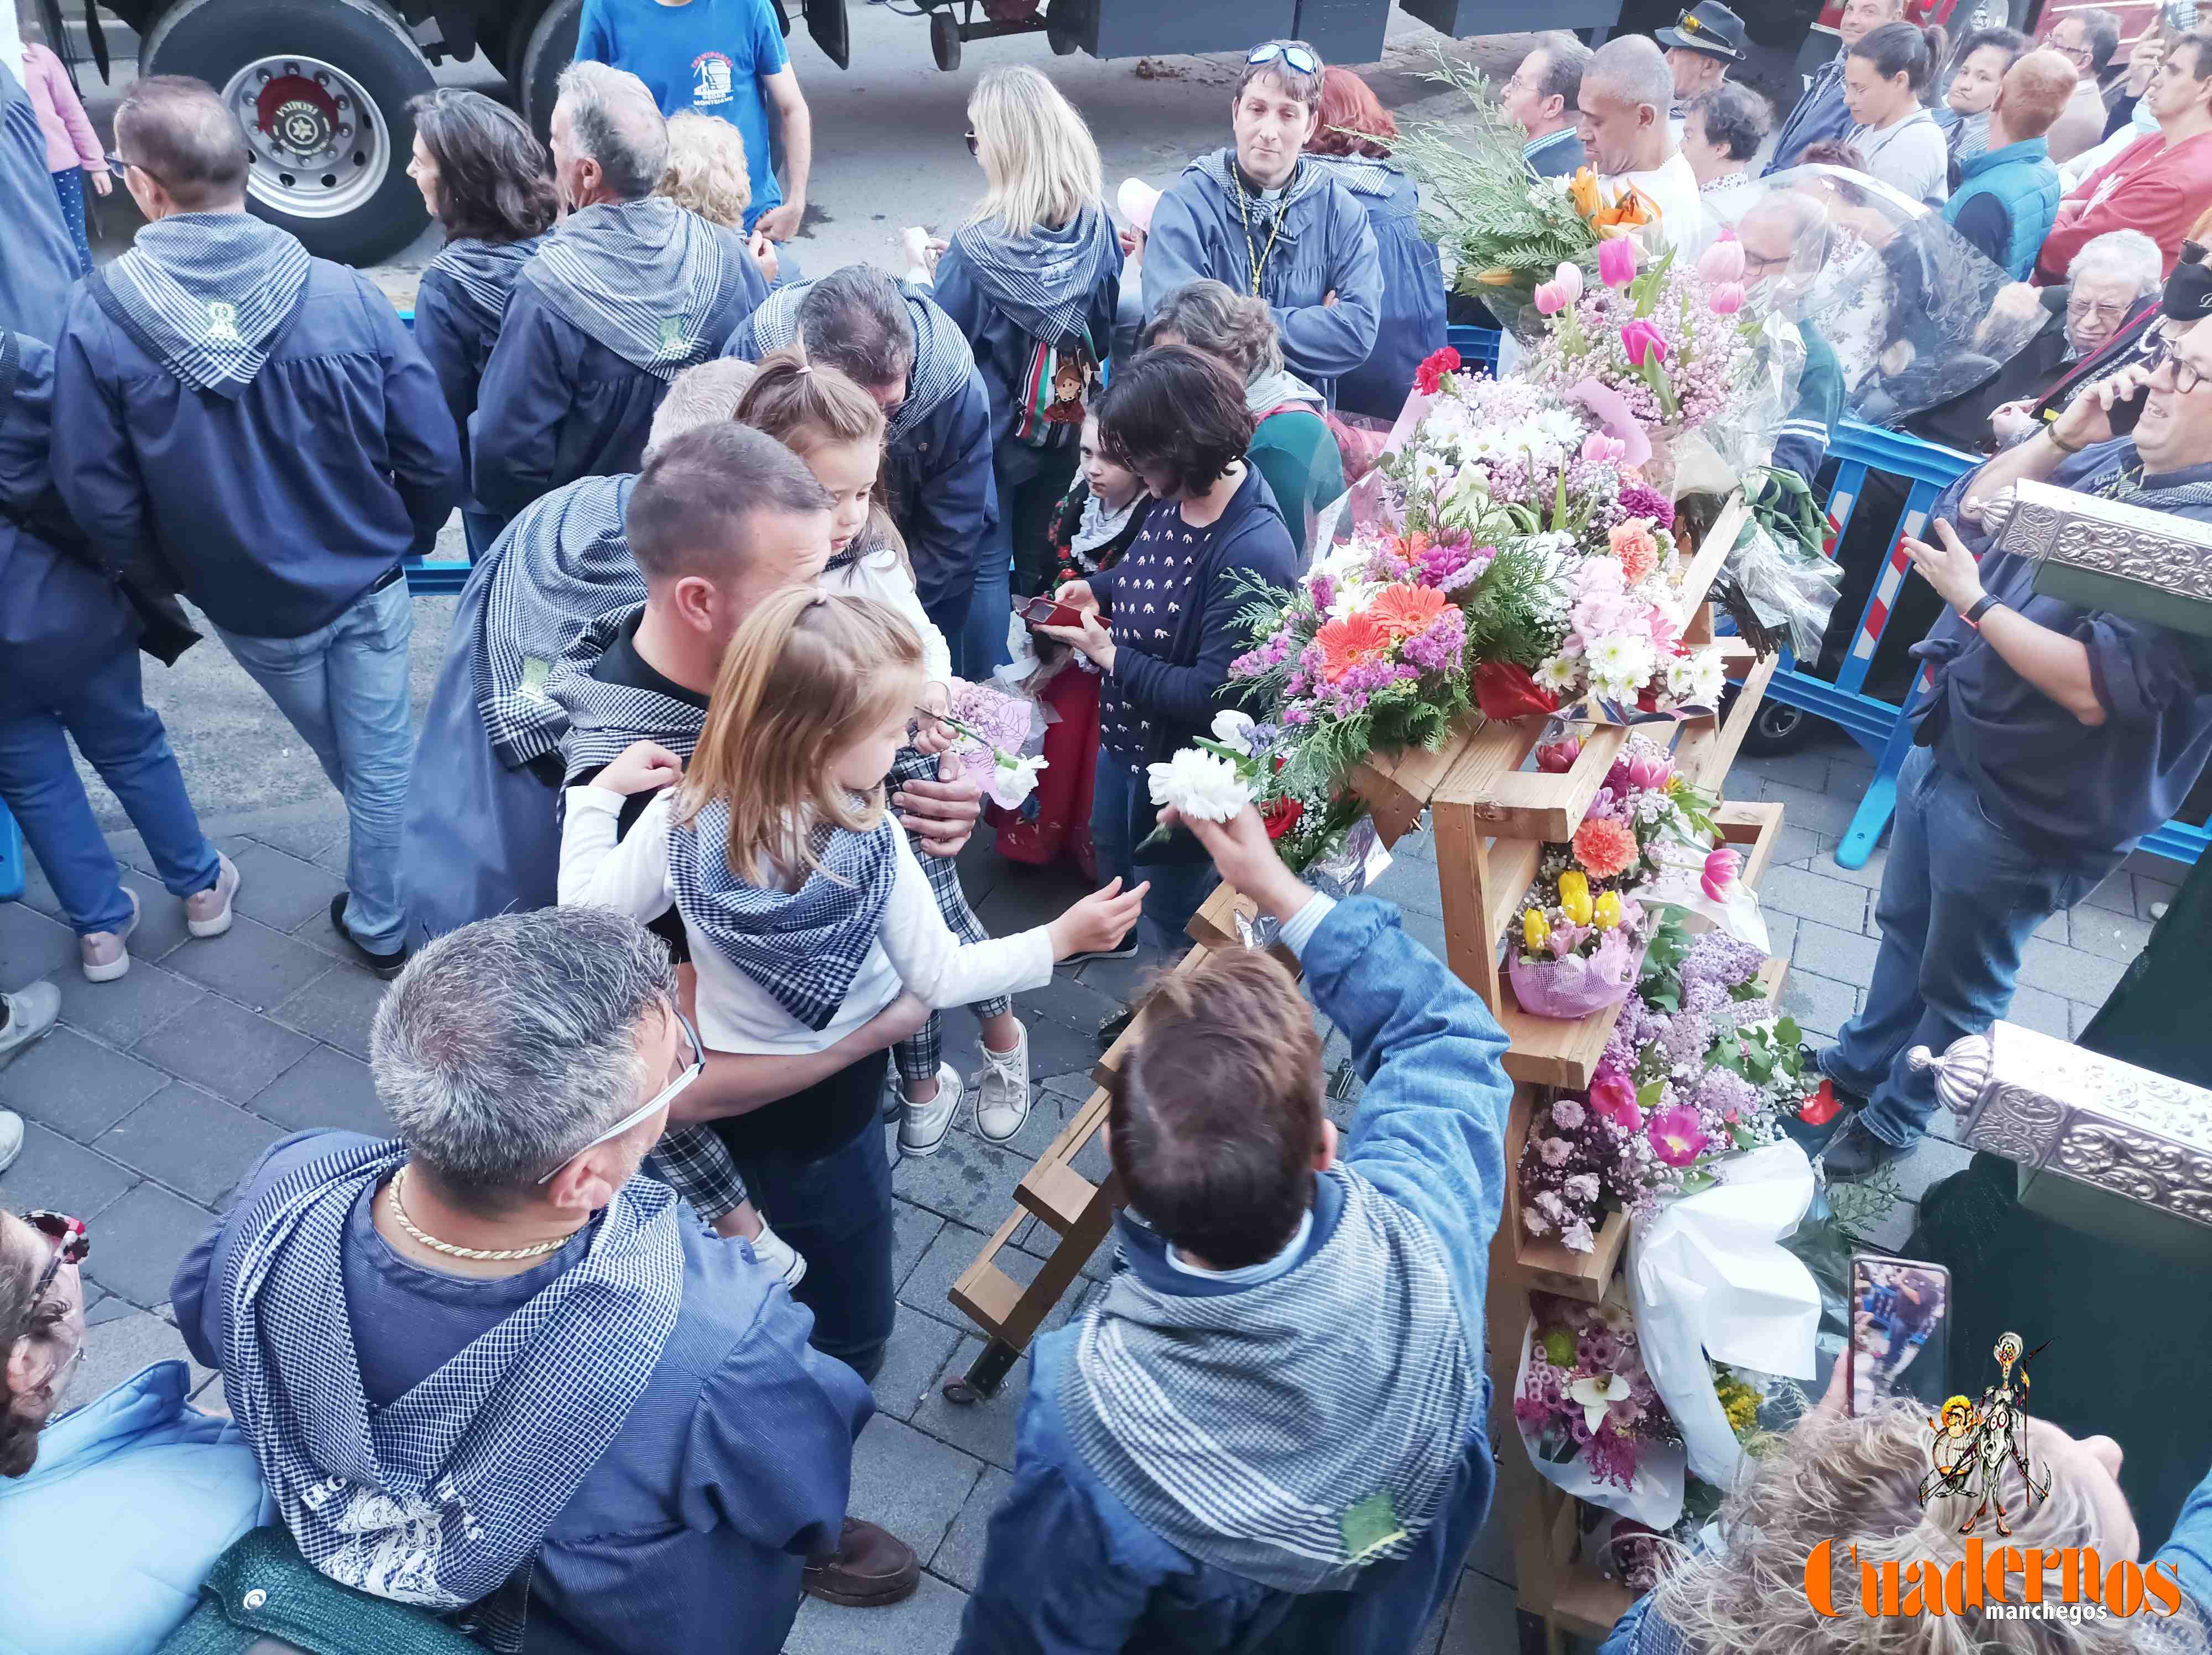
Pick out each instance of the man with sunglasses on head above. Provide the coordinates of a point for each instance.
(2053, 738)
(487, 1368)
(1260, 217)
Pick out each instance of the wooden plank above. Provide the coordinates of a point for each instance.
(1754, 830)
(1704, 569)
(1547, 1051)
(1699, 628)
(1705, 750)
(1465, 883)
(1586, 1604)
(987, 1295)
(1056, 1193)
(1397, 787)
(1523, 804)
(981, 1293)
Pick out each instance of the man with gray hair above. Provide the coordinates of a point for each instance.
(489, 1371)
(1627, 91)
(1539, 100)
(2087, 37)
(627, 291)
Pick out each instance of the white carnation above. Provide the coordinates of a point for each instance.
(1622, 659)
(1200, 785)
(1235, 729)
(1695, 676)
(1561, 674)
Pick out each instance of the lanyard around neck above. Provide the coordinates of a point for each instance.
(1258, 258)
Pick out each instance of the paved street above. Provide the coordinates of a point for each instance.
(160, 1090)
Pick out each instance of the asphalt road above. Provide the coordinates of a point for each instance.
(888, 152)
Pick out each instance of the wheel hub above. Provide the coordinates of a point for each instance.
(318, 145)
(297, 116)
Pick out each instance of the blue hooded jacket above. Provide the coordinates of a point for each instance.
(1411, 327)
(1325, 246)
(274, 509)
(1069, 1569)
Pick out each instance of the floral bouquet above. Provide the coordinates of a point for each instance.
(993, 724)
(1582, 933)
(1589, 1414)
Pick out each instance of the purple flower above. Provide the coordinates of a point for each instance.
(1555, 1151)
(1567, 1114)
(1725, 1093)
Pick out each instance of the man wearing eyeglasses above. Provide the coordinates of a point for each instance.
(485, 1361)
(2053, 738)
(1539, 98)
(1256, 216)
(2160, 183)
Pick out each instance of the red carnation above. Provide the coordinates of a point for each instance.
(1281, 816)
(1820, 1108)
(1430, 373)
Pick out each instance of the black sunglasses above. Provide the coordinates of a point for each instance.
(72, 1245)
(973, 149)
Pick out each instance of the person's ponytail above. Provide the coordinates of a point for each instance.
(1905, 49)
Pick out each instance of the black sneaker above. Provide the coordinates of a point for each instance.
(1125, 949)
(1116, 1026)
(385, 965)
(1855, 1153)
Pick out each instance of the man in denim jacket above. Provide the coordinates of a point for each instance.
(1271, 1429)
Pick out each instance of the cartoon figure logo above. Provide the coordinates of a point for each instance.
(711, 79)
(675, 338)
(222, 324)
(1976, 1444)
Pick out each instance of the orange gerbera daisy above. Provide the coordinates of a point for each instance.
(1605, 847)
(1404, 611)
(1346, 643)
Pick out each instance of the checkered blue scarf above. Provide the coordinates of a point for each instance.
(1043, 279)
(485, 272)
(657, 286)
(605, 718)
(205, 294)
(804, 946)
(441, 1499)
(942, 358)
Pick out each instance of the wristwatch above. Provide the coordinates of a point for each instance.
(1974, 611)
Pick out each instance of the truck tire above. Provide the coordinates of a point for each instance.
(552, 48)
(320, 88)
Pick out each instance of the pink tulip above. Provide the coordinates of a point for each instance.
(1569, 279)
(1722, 866)
(1616, 261)
(1649, 773)
(1723, 261)
(1558, 757)
(1599, 449)
(1727, 299)
(1643, 342)
(1549, 299)
(1613, 1095)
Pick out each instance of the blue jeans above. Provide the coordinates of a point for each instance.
(344, 688)
(1120, 804)
(479, 529)
(836, 1212)
(122, 737)
(1953, 926)
(981, 646)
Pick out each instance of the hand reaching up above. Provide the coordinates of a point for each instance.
(1099, 922)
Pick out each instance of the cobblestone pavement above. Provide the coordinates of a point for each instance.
(160, 1090)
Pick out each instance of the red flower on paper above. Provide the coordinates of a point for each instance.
(1281, 816)
(1504, 691)
(1430, 375)
(1820, 1108)
(1605, 847)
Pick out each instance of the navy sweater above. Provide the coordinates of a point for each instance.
(274, 511)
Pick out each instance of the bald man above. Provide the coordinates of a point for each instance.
(626, 292)
(1627, 91)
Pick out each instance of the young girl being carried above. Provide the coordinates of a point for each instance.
(837, 428)
(806, 910)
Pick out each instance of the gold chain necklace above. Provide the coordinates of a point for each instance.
(1258, 260)
(496, 1254)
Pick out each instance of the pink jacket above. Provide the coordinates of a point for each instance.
(71, 141)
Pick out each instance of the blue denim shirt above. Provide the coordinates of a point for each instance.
(1069, 1569)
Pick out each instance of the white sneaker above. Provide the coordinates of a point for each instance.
(925, 1125)
(31, 1013)
(106, 955)
(207, 913)
(1002, 1090)
(779, 1256)
(11, 1138)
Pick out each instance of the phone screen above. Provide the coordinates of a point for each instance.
(2127, 411)
(1043, 611)
(1899, 1312)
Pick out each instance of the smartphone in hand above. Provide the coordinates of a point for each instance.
(1043, 611)
(1899, 1310)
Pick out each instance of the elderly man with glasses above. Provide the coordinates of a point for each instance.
(1262, 217)
(485, 1362)
(2052, 738)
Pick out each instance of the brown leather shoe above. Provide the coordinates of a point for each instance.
(871, 1568)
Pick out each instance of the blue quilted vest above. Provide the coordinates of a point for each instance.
(2023, 179)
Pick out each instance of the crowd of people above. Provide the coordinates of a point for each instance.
(666, 890)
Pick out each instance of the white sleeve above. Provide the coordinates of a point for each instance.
(890, 583)
(938, 967)
(630, 877)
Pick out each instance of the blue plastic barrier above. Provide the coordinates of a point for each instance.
(1477, 347)
(433, 577)
(1874, 724)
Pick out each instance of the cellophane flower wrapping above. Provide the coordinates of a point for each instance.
(1577, 984)
(1578, 1360)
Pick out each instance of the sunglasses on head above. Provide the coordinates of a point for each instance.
(1296, 56)
(971, 144)
(71, 1245)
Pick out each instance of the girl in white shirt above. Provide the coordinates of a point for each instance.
(826, 419)
(806, 911)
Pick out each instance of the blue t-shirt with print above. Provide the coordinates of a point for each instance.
(706, 55)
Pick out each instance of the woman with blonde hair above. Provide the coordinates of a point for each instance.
(1033, 279)
(708, 175)
(837, 428)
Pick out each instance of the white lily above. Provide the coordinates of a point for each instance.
(1596, 1395)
